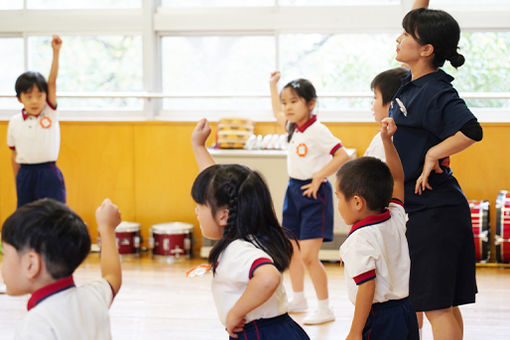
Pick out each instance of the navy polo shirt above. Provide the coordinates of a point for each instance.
(427, 111)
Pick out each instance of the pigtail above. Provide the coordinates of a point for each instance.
(290, 131)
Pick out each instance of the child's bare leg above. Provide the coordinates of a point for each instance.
(296, 269)
(310, 255)
(444, 324)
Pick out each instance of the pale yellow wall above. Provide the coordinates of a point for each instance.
(147, 168)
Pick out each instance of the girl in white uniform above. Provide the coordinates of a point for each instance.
(234, 207)
(313, 155)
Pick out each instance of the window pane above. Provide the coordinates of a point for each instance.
(11, 4)
(217, 3)
(218, 64)
(81, 4)
(337, 63)
(335, 2)
(12, 55)
(477, 3)
(486, 55)
(93, 64)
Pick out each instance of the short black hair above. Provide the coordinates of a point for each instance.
(51, 229)
(27, 80)
(388, 82)
(368, 177)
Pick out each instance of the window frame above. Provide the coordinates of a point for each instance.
(152, 22)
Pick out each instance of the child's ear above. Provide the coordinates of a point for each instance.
(311, 104)
(19, 100)
(31, 263)
(359, 202)
(222, 217)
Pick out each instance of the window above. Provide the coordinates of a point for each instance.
(217, 3)
(337, 63)
(486, 54)
(82, 4)
(225, 65)
(12, 55)
(92, 64)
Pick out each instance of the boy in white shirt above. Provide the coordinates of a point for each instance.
(43, 242)
(34, 136)
(375, 253)
(384, 85)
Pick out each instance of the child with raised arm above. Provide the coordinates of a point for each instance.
(375, 253)
(234, 206)
(34, 136)
(313, 155)
(43, 242)
(384, 85)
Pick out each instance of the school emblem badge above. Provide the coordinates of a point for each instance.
(402, 106)
(45, 122)
(302, 150)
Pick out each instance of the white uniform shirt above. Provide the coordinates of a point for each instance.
(64, 311)
(376, 248)
(376, 148)
(236, 265)
(36, 139)
(310, 149)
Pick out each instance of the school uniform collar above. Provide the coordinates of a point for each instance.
(25, 115)
(310, 121)
(371, 220)
(47, 291)
(438, 75)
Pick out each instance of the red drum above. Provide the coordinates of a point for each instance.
(128, 238)
(171, 241)
(481, 228)
(502, 239)
(502, 249)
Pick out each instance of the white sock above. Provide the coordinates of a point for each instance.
(323, 304)
(298, 296)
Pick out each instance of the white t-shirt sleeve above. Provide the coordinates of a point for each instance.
(247, 260)
(326, 141)
(359, 258)
(398, 212)
(101, 289)
(11, 141)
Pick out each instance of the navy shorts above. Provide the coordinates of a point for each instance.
(277, 328)
(394, 319)
(36, 181)
(442, 252)
(307, 217)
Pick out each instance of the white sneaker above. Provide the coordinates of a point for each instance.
(298, 306)
(319, 316)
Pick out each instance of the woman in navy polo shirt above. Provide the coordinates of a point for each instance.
(434, 123)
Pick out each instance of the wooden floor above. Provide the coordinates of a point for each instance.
(157, 301)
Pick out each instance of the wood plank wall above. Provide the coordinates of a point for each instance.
(147, 168)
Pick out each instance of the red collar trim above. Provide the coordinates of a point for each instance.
(47, 291)
(25, 115)
(371, 220)
(310, 121)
